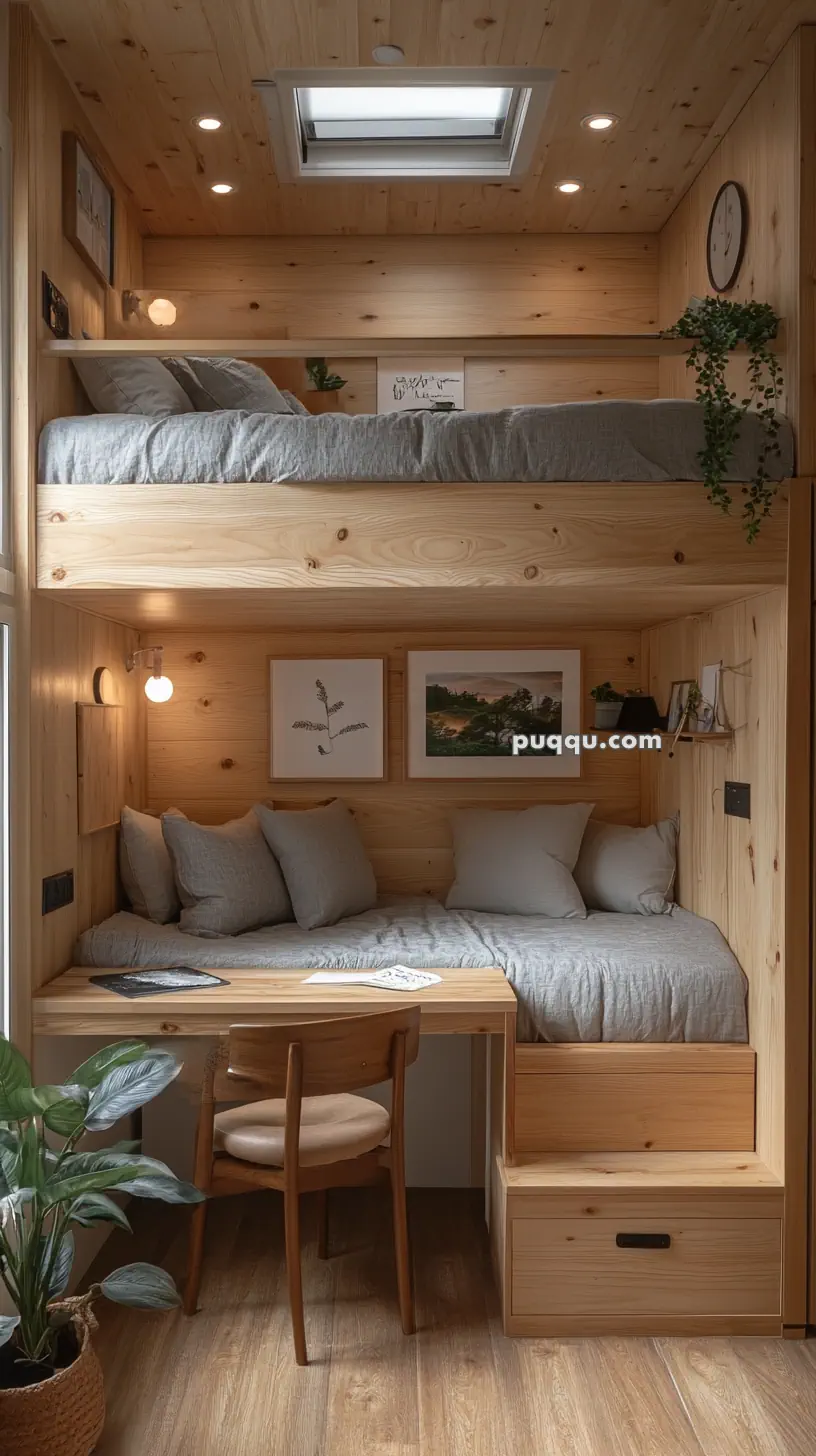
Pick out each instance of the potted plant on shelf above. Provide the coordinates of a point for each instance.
(716, 326)
(608, 704)
(51, 1393)
(324, 395)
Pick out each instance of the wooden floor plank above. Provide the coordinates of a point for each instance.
(747, 1397)
(372, 1392)
(225, 1382)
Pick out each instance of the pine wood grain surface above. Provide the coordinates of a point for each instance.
(226, 1383)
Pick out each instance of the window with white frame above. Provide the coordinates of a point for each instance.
(477, 123)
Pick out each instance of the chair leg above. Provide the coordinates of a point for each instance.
(402, 1248)
(291, 1211)
(323, 1224)
(195, 1257)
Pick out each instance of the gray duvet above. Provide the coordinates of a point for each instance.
(605, 440)
(607, 978)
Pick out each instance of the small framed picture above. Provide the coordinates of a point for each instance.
(327, 718)
(87, 207)
(465, 710)
(678, 702)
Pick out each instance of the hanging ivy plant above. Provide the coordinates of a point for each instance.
(716, 326)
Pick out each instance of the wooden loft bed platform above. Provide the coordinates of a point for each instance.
(640, 554)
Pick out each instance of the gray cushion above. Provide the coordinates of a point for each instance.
(146, 868)
(626, 869)
(135, 386)
(227, 878)
(296, 405)
(518, 862)
(228, 384)
(325, 866)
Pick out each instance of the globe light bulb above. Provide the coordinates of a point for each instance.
(158, 689)
(162, 312)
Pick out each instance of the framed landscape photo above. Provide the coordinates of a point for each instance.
(327, 718)
(464, 708)
(87, 207)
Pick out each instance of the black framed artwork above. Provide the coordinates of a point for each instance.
(88, 207)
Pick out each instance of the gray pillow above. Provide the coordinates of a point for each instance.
(227, 878)
(146, 868)
(324, 863)
(626, 869)
(518, 862)
(134, 386)
(296, 405)
(227, 384)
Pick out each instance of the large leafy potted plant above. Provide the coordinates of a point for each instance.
(717, 326)
(51, 1393)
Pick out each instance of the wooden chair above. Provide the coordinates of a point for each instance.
(313, 1136)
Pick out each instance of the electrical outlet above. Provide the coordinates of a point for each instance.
(737, 799)
(55, 309)
(57, 891)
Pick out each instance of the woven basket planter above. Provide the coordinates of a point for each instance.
(62, 1416)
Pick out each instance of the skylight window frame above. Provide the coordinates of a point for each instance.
(474, 159)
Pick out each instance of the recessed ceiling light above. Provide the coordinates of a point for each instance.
(599, 121)
(222, 188)
(388, 55)
(209, 123)
(570, 184)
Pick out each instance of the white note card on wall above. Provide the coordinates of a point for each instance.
(404, 384)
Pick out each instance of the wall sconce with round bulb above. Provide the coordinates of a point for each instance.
(160, 311)
(158, 689)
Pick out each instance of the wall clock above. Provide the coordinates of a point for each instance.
(725, 243)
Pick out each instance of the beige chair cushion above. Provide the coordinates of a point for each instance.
(331, 1129)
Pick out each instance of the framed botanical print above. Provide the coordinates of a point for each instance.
(467, 710)
(87, 207)
(327, 718)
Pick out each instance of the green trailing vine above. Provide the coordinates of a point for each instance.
(716, 326)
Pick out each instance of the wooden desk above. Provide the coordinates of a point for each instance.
(467, 1002)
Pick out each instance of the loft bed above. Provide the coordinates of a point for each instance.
(569, 496)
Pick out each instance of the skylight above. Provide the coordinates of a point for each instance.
(456, 122)
(350, 113)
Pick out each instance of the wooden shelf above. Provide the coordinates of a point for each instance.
(725, 735)
(554, 346)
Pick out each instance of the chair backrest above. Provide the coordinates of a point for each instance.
(338, 1055)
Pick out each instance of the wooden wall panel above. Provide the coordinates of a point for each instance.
(209, 746)
(351, 287)
(733, 870)
(761, 151)
(67, 645)
(55, 109)
(437, 286)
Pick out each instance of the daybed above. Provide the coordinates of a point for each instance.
(609, 978)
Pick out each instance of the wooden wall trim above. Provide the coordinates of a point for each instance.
(23, 503)
(798, 897)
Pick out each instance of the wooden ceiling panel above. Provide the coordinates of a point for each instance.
(675, 71)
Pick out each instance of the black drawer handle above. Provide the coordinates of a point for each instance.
(643, 1241)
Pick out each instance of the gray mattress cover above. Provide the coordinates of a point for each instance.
(603, 440)
(607, 978)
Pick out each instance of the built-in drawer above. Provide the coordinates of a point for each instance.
(655, 1265)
